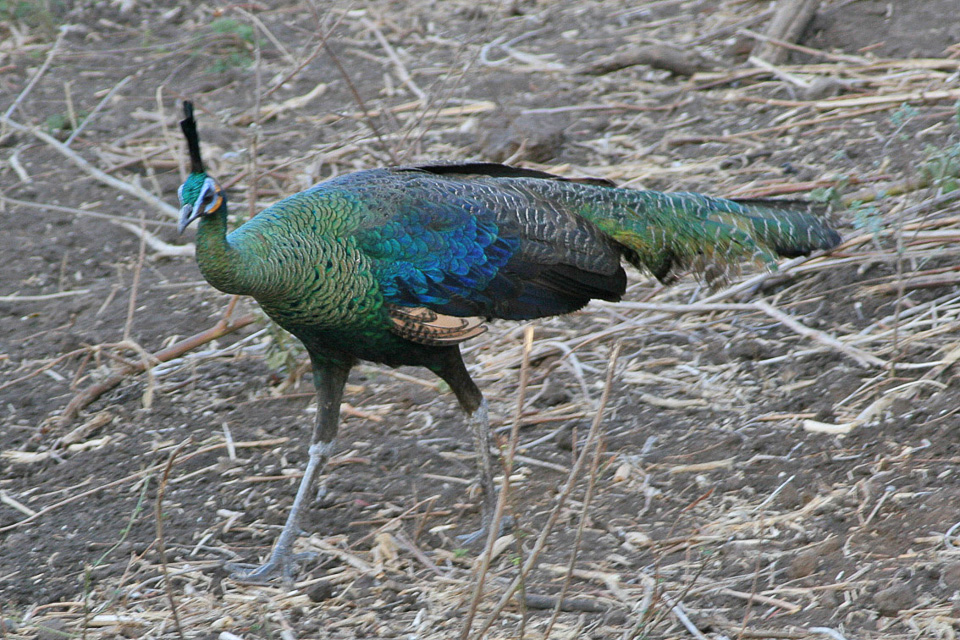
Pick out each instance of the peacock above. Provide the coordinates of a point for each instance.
(400, 265)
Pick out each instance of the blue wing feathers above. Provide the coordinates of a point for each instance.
(473, 252)
(438, 255)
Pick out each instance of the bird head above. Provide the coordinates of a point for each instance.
(200, 195)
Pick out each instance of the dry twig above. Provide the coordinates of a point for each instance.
(161, 540)
(96, 390)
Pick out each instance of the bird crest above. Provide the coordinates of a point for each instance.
(189, 127)
(200, 195)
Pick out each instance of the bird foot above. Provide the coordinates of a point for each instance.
(283, 565)
(469, 539)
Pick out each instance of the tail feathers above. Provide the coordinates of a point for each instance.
(665, 233)
(791, 227)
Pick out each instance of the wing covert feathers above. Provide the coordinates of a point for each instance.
(422, 325)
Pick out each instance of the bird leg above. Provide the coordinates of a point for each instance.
(454, 373)
(329, 380)
(479, 423)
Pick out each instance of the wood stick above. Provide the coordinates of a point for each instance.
(507, 459)
(543, 601)
(791, 46)
(249, 444)
(96, 390)
(790, 20)
(44, 297)
(120, 185)
(39, 74)
(732, 137)
(560, 501)
(790, 607)
(405, 76)
(890, 98)
(43, 368)
(859, 355)
(96, 109)
(161, 539)
(676, 61)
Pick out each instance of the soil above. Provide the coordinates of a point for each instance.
(718, 492)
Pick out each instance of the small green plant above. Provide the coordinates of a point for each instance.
(903, 115)
(59, 124)
(284, 352)
(866, 217)
(840, 154)
(234, 60)
(56, 122)
(35, 14)
(942, 168)
(900, 118)
(230, 26)
(830, 195)
(234, 45)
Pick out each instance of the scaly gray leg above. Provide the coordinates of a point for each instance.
(479, 423)
(329, 380)
(450, 367)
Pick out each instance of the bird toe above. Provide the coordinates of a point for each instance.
(285, 566)
(470, 539)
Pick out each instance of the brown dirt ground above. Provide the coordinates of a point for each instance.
(712, 493)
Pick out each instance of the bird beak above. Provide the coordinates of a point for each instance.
(187, 215)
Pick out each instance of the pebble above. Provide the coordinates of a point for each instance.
(320, 591)
(823, 87)
(789, 497)
(52, 629)
(541, 138)
(747, 349)
(830, 545)
(615, 617)
(950, 576)
(563, 438)
(892, 600)
(803, 564)
(831, 599)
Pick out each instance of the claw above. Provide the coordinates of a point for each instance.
(469, 539)
(283, 565)
(283, 561)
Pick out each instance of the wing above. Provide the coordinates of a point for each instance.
(484, 248)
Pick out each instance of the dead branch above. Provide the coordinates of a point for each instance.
(567, 489)
(96, 390)
(859, 355)
(676, 61)
(51, 54)
(161, 539)
(789, 22)
(272, 442)
(507, 462)
(543, 601)
(121, 185)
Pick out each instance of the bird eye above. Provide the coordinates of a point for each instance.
(208, 197)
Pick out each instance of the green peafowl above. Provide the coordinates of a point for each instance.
(401, 265)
